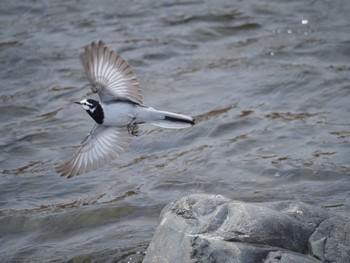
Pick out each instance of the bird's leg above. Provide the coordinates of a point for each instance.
(133, 128)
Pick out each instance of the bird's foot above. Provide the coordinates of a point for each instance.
(133, 128)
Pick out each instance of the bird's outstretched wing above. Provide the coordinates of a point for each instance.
(109, 74)
(100, 147)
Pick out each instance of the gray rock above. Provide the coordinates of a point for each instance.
(212, 228)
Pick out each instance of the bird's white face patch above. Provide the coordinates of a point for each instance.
(87, 105)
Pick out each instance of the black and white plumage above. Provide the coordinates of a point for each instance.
(117, 114)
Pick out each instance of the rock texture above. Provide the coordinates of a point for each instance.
(212, 228)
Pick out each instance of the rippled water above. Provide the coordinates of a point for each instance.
(268, 83)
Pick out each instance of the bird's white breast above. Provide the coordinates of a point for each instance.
(118, 114)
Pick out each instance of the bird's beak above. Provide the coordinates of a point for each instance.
(77, 102)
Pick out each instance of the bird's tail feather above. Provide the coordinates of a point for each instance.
(173, 120)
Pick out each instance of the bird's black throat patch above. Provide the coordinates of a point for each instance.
(97, 114)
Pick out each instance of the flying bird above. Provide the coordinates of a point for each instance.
(118, 113)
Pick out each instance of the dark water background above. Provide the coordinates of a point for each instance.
(268, 82)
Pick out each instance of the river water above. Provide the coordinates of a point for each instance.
(267, 81)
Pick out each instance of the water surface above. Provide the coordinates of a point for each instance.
(267, 81)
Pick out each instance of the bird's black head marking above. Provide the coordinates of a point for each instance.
(93, 107)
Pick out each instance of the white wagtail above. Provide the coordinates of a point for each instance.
(117, 114)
